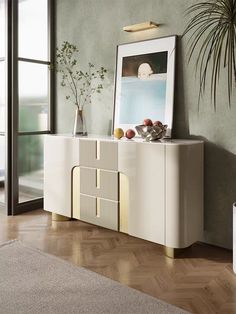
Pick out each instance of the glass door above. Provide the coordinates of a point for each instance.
(26, 97)
(2, 102)
(33, 96)
(32, 100)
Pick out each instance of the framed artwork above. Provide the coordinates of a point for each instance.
(144, 83)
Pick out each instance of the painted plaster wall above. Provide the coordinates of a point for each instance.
(96, 27)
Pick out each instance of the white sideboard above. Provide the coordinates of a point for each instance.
(152, 191)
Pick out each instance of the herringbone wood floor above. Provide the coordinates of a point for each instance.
(200, 281)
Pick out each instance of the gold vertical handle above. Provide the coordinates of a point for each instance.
(124, 202)
(76, 192)
(98, 178)
(98, 207)
(98, 150)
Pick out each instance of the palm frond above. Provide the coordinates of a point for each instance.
(212, 30)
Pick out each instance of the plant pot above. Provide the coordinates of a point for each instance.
(79, 123)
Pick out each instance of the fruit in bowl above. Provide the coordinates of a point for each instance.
(147, 122)
(130, 134)
(118, 133)
(151, 131)
(157, 123)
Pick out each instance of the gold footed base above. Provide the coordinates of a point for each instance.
(174, 252)
(57, 217)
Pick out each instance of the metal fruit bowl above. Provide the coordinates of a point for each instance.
(151, 133)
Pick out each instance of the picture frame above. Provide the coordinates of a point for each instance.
(144, 83)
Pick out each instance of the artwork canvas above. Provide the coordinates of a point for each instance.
(145, 82)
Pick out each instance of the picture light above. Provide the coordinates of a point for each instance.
(140, 27)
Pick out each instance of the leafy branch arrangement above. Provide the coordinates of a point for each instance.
(213, 35)
(81, 84)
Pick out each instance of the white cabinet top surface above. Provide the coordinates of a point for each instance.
(134, 140)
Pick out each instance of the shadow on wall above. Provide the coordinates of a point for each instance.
(220, 194)
(181, 119)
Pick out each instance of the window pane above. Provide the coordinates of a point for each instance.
(30, 165)
(2, 96)
(33, 29)
(33, 97)
(2, 27)
(2, 169)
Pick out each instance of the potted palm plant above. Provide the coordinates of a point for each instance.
(81, 85)
(212, 27)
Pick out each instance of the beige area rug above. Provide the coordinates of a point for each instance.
(34, 282)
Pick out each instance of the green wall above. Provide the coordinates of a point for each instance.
(96, 27)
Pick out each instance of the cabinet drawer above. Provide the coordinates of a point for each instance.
(99, 212)
(99, 183)
(98, 154)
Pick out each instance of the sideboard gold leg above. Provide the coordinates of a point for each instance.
(57, 217)
(174, 252)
